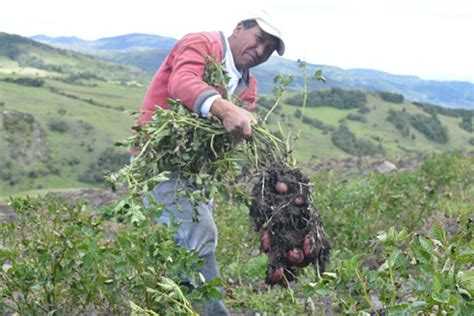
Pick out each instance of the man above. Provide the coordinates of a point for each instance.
(181, 77)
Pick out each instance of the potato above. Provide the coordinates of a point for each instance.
(281, 187)
(309, 248)
(265, 241)
(299, 200)
(295, 255)
(306, 262)
(275, 275)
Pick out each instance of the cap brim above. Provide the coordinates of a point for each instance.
(281, 47)
(267, 28)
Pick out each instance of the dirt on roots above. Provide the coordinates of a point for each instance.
(291, 229)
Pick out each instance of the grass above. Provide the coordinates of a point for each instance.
(82, 142)
(113, 94)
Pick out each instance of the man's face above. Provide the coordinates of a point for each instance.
(252, 46)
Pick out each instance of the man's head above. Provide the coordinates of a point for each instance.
(253, 41)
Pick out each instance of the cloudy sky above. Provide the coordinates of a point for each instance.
(431, 39)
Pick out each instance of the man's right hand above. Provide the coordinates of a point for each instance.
(236, 120)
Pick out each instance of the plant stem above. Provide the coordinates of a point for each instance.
(366, 293)
(271, 110)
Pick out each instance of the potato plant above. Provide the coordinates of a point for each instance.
(199, 150)
(60, 259)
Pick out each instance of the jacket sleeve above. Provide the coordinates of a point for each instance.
(186, 79)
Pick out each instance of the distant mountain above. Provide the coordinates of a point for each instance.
(128, 42)
(65, 40)
(24, 54)
(148, 51)
(457, 94)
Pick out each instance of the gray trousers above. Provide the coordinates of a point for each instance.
(198, 235)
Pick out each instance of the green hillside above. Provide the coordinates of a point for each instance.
(67, 106)
(375, 129)
(61, 113)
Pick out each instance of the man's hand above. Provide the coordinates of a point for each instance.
(237, 121)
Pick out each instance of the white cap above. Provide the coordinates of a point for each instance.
(268, 25)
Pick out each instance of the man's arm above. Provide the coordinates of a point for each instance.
(188, 67)
(236, 120)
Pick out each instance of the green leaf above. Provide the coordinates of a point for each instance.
(441, 297)
(418, 305)
(426, 244)
(465, 279)
(439, 234)
(437, 282)
(464, 292)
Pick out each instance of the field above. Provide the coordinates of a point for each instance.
(402, 244)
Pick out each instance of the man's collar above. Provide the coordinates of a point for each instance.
(229, 59)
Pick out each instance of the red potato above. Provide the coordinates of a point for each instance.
(281, 187)
(275, 275)
(306, 262)
(295, 255)
(299, 201)
(265, 241)
(309, 248)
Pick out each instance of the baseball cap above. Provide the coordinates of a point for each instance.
(268, 25)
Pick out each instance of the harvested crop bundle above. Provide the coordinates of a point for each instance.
(210, 160)
(283, 210)
(197, 149)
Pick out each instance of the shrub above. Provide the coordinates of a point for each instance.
(8, 46)
(430, 126)
(398, 119)
(380, 227)
(335, 97)
(391, 97)
(110, 160)
(363, 109)
(73, 78)
(431, 109)
(72, 161)
(87, 127)
(466, 122)
(344, 139)
(356, 117)
(62, 260)
(26, 81)
(35, 62)
(57, 126)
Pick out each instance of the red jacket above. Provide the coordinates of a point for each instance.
(182, 72)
